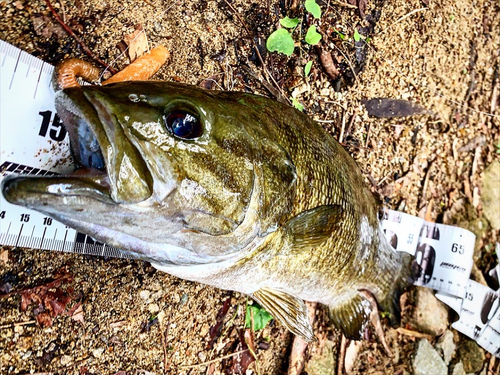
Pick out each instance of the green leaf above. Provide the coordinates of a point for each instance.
(289, 22)
(297, 104)
(357, 36)
(313, 8)
(280, 41)
(312, 36)
(342, 36)
(260, 317)
(307, 68)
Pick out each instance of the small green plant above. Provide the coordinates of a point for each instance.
(357, 36)
(297, 104)
(260, 317)
(289, 23)
(497, 151)
(312, 36)
(313, 8)
(281, 40)
(341, 36)
(385, 314)
(307, 68)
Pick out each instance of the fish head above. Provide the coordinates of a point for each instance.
(168, 172)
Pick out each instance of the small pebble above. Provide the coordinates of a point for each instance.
(184, 299)
(27, 354)
(97, 352)
(66, 359)
(144, 294)
(153, 308)
(447, 345)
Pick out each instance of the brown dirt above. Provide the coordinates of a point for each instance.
(444, 57)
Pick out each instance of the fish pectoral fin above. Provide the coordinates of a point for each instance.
(288, 310)
(311, 228)
(351, 316)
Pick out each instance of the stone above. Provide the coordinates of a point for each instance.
(458, 369)
(153, 308)
(447, 346)
(471, 355)
(322, 362)
(490, 194)
(97, 352)
(430, 315)
(144, 294)
(66, 360)
(428, 361)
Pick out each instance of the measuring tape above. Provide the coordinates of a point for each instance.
(35, 142)
(443, 262)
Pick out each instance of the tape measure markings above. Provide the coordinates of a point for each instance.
(480, 316)
(63, 239)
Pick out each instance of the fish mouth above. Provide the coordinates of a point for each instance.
(109, 168)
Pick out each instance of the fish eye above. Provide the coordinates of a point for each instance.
(183, 124)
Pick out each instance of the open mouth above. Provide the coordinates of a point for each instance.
(100, 145)
(85, 147)
(110, 169)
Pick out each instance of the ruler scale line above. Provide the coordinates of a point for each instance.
(43, 237)
(15, 69)
(19, 235)
(38, 81)
(64, 242)
(31, 242)
(8, 230)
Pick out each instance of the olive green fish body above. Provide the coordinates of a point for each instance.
(229, 189)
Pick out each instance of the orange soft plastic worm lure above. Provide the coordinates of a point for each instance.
(143, 68)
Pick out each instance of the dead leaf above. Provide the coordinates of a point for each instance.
(362, 8)
(327, 62)
(209, 83)
(389, 108)
(361, 4)
(44, 26)
(76, 313)
(216, 329)
(243, 360)
(49, 303)
(137, 43)
(122, 323)
(249, 339)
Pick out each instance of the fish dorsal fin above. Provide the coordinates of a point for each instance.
(288, 310)
(311, 228)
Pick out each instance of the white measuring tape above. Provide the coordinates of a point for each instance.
(443, 262)
(34, 141)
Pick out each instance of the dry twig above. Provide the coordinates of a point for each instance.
(408, 332)
(12, 325)
(402, 18)
(78, 40)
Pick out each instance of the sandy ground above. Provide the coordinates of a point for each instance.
(444, 57)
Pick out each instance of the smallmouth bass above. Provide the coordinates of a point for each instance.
(229, 189)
